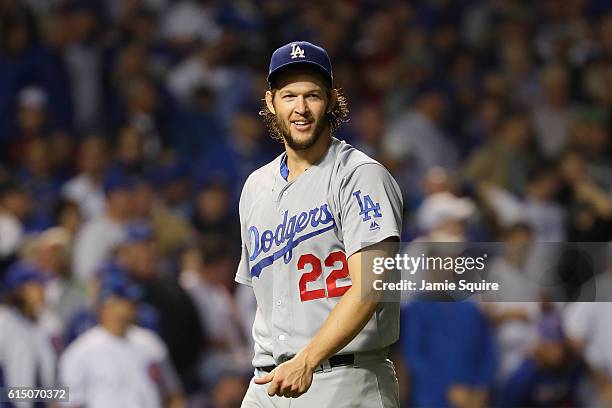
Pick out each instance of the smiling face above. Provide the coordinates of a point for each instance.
(300, 101)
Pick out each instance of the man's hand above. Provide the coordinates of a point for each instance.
(290, 379)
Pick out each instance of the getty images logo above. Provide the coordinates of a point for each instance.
(296, 51)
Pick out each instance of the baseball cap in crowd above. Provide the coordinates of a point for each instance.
(118, 180)
(442, 207)
(21, 273)
(300, 53)
(115, 282)
(138, 232)
(118, 285)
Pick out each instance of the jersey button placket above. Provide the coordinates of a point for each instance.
(282, 299)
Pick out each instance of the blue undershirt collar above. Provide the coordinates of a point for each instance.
(284, 169)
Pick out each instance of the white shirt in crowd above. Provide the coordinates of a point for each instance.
(11, 234)
(551, 127)
(87, 194)
(93, 245)
(516, 339)
(546, 218)
(589, 324)
(26, 352)
(103, 370)
(413, 136)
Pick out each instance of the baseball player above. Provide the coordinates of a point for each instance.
(116, 363)
(308, 219)
(27, 356)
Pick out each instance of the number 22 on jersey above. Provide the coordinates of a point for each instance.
(316, 269)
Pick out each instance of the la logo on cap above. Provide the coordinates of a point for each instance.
(296, 51)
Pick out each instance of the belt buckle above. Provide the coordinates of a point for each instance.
(324, 367)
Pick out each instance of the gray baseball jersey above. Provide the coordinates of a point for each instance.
(296, 238)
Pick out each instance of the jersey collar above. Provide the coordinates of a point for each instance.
(284, 168)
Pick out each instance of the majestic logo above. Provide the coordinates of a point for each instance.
(296, 51)
(285, 233)
(367, 206)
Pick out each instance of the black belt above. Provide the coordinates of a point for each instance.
(338, 360)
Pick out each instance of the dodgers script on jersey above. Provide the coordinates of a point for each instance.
(296, 238)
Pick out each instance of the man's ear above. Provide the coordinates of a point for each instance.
(269, 103)
(333, 99)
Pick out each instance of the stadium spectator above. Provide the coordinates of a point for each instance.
(554, 114)
(549, 374)
(67, 215)
(51, 253)
(213, 215)
(86, 188)
(99, 236)
(84, 63)
(117, 363)
(503, 160)
(172, 178)
(14, 209)
(31, 121)
(516, 321)
(538, 207)
(442, 217)
(197, 127)
(27, 354)
(207, 277)
(171, 231)
(130, 152)
(179, 325)
(449, 351)
(589, 207)
(17, 39)
(41, 182)
(415, 142)
(369, 128)
(588, 327)
(146, 111)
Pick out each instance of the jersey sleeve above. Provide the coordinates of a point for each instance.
(371, 207)
(243, 274)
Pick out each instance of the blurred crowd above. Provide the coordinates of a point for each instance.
(128, 127)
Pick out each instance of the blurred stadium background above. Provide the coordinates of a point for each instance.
(127, 128)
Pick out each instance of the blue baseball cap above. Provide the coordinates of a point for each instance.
(115, 282)
(118, 180)
(300, 52)
(21, 273)
(119, 289)
(138, 232)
